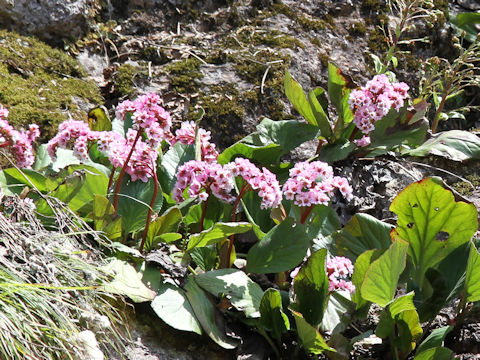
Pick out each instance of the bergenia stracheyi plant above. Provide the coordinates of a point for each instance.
(167, 198)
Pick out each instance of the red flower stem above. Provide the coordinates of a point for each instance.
(122, 172)
(150, 210)
(304, 214)
(204, 210)
(354, 133)
(110, 179)
(243, 190)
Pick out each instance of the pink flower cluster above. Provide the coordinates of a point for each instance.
(148, 117)
(201, 178)
(339, 271)
(186, 135)
(313, 184)
(19, 143)
(147, 114)
(262, 180)
(373, 101)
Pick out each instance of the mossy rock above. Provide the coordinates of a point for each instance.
(40, 84)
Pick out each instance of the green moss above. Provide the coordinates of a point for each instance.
(183, 74)
(465, 188)
(308, 23)
(271, 38)
(124, 80)
(358, 29)
(39, 84)
(324, 59)
(371, 4)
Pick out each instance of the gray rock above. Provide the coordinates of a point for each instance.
(49, 20)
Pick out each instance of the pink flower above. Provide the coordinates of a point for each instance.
(201, 178)
(186, 135)
(339, 271)
(19, 143)
(262, 180)
(373, 101)
(313, 183)
(363, 142)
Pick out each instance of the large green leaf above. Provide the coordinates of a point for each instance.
(399, 321)
(218, 232)
(435, 339)
(436, 353)
(381, 278)
(362, 264)
(319, 111)
(126, 281)
(338, 313)
(323, 222)
(133, 203)
(472, 279)
(338, 151)
(432, 222)
(13, 180)
(205, 313)
(271, 140)
(175, 157)
(281, 249)
(80, 185)
(167, 223)
(339, 88)
(408, 127)
(171, 305)
(362, 232)
(240, 290)
(310, 338)
(297, 97)
(455, 145)
(104, 218)
(273, 318)
(311, 289)
(216, 211)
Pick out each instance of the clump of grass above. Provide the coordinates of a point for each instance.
(49, 285)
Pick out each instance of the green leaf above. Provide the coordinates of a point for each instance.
(273, 318)
(323, 222)
(339, 88)
(171, 305)
(13, 180)
(382, 275)
(362, 232)
(99, 120)
(362, 264)
(175, 157)
(216, 211)
(455, 145)
(437, 353)
(205, 257)
(243, 293)
(435, 339)
(258, 216)
(408, 127)
(80, 185)
(337, 315)
(468, 18)
(281, 249)
(205, 313)
(104, 218)
(271, 140)
(133, 203)
(399, 321)
(338, 151)
(297, 97)
(311, 289)
(126, 281)
(312, 341)
(218, 232)
(165, 224)
(432, 222)
(319, 112)
(472, 279)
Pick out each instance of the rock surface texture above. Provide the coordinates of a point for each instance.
(50, 20)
